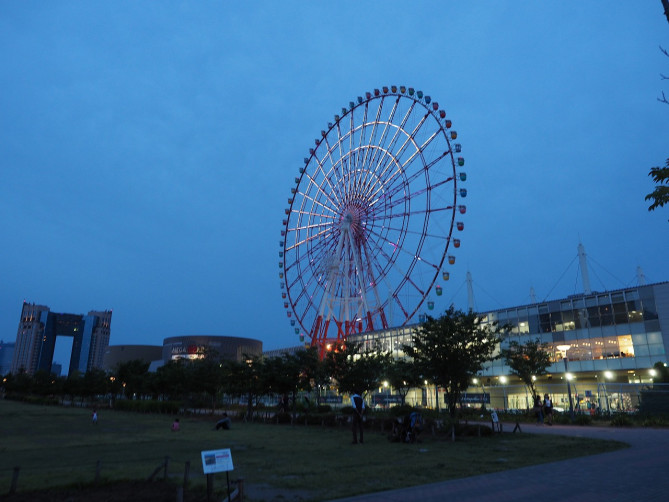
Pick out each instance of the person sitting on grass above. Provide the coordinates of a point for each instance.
(224, 423)
(175, 425)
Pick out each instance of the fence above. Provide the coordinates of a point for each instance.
(95, 476)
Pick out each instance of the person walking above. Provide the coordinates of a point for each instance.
(358, 404)
(95, 417)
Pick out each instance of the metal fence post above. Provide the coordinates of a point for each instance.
(15, 480)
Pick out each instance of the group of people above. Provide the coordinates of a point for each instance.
(543, 409)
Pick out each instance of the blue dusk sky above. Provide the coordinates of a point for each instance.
(147, 149)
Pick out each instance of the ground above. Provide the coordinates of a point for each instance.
(147, 491)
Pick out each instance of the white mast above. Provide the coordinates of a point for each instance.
(470, 292)
(584, 269)
(640, 277)
(533, 295)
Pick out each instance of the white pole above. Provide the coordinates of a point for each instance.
(470, 292)
(584, 269)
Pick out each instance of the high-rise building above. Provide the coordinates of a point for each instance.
(6, 354)
(39, 328)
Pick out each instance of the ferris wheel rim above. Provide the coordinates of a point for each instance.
(312, 247)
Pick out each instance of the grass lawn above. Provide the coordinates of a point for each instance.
(57, 446)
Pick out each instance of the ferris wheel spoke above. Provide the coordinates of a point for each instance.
(396, 156)
(400, 128)
(405, 279)
(405, 198)
(319, 189)
(370, 147)
(326, 177)
(386, 124)
(308, 239)
(414, 255)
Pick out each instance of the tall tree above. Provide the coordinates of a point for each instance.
(452, 349)
(527, 361)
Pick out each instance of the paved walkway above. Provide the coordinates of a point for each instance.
(639, 473)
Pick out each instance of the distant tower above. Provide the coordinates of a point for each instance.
(533, 295)
(584, 269)
(641, 279)
(470, 292)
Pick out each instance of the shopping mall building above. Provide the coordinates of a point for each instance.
(603, 346)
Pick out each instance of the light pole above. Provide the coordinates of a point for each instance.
(503, 381)
(564, 349)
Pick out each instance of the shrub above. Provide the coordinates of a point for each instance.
(621, 420)
(582, 419)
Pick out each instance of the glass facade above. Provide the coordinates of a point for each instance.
(604, 331)
(625, 329)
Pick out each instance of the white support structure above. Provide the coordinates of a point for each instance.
(584, 269)
(533, 295)
(640, 277)
(470, 292)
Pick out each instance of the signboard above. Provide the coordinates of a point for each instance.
(473, 397)
(332, 399)
(386, 399)
(216, 461)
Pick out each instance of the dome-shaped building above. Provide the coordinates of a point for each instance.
(202, 346)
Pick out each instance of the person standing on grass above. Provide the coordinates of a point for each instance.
(548, 409)
(358, 404)
(95, 417)
(176, 425)
(538, 409)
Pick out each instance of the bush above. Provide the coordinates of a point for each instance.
(581, 419)
(621, 420)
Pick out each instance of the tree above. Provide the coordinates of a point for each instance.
(452, 349)
(659, 196)
(662, 372)
(527, 361)
(132, 375)
(356, 370)
(245, 378)
(403, 376)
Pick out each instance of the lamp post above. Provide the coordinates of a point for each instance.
(503, 381)
(564, 349)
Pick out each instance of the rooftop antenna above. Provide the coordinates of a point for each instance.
(470, 292)
(641, 279)
(584, 269)
(533, 295)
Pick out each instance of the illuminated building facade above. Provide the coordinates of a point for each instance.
(606, 340)
(202, 346)
(39, 328)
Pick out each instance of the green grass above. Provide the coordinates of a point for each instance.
(57, 446)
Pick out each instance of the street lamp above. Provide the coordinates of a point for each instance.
(564, 349)
(503, 381)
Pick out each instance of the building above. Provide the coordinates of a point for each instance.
(603, 347)
(201, 346)
(117, 354)
(6, 354)
(39, 328)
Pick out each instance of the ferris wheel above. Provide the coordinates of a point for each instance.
(370, 226)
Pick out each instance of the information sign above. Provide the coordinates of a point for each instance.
(216, 461)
